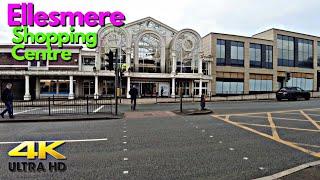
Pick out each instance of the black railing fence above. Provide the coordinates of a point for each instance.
(54, 106)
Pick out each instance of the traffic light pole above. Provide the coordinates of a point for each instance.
(116, 86)
(120, 57)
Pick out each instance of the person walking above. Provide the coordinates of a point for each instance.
(203, 102)
(7, 98)
(133, 95)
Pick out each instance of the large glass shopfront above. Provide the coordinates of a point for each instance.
(149, 88)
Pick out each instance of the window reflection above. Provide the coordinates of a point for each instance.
(229, 87)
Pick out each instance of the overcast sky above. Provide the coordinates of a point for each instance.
(240, 17)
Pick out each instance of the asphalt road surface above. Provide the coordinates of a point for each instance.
(241, 140)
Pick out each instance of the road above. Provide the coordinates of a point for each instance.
(241, 140)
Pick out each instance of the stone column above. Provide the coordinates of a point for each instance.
(128, 87)
(57, 87)
(200, 66)
(96, 87)
(128, 57)
(71, 93)
(173, 88)
(174, 63)
(27, 95)
(200, 87)
(37, 88)
(315, 66)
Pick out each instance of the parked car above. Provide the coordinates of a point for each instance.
(292, 93)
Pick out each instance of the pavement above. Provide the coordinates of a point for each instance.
(240, 140)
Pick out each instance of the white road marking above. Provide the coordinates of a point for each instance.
(98, 109)
(124, 136)
(125, 159)
(68, 140)
(124, 142)
(26, 111)
(245, 158)
(64, 109)
(220, 142)
(125, 149)
(125, 172)
(231, 149)
(261, 168)
(124, 131)
(211, 136)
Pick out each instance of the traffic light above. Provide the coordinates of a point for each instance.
(288, 76)
(110, 60)
(123, 68)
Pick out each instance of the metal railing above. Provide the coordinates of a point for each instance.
(54, 106)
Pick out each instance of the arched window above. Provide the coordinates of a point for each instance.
(149, 53)
(113, 40)
(187, 53)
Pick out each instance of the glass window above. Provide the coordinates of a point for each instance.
(219, 87)
(318, 53)
(269, 57)
(237, 53)
(88, 60)
(252, 83)
(257, 84)
(303, 83)
(285, 50)
(149, 53)
(233, 87)
(221, 52)
(305, 53)
(309, 85)
(225, 87)
(240, 88)
(234, 52)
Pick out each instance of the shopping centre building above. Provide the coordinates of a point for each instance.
(160, 60)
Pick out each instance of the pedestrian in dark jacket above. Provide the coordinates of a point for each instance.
(203, 102)
(133, 95)
(7, 99)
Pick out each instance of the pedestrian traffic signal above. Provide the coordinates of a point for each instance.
(288, 76)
